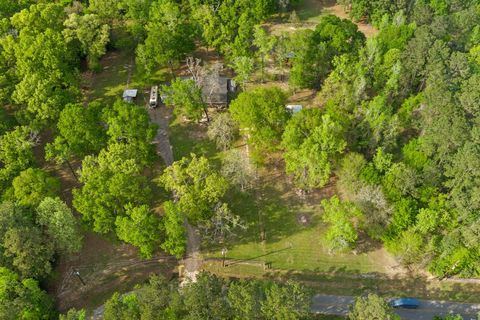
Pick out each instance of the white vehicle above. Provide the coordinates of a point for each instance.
(153, 103)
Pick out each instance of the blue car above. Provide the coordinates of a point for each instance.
(408, 303)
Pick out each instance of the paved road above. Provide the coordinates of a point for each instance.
(339, 305)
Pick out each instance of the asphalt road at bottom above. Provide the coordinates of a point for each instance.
(339, 305)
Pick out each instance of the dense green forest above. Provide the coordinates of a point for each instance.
(395, 120)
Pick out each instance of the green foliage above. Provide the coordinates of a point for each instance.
(223, 130)
(343, 219)
(16, 154)
(79, 133)
(371, 307)
(261, 113)
(243, 67)
(122, 307)
(407, 247)
(140, 228)
(229, 26)
(264, 44)
(91, 34)
(42, 62)
(28, 251)
(111, 180)
(128, 123)
(290, 301)
(238, 168)
(175, 233)
(313, 59)
(204, 299)
(449, 317)
(22, 299)
(211, 297)
(312, 142)
(197, 186)
(170, 37)
(60, 225)
(29, 239)
(32, 185)
(186, 97)
(74, 314)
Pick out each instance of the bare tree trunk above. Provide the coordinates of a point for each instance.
(71, 169)
(206, 114)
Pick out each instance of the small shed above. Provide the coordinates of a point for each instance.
(294, 108)
(129, 95)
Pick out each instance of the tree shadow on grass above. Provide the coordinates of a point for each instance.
(190, 137)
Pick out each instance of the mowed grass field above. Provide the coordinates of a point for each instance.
(286, 231)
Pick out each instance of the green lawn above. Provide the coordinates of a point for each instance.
(288, 244)
(312, 10)
(118, 69)
(190, 137)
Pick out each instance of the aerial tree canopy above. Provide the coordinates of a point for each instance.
(197, 186)
(313, 58)
(262, 115)
(111, 181)
(312, 142)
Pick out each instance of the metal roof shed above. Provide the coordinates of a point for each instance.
(129, 95)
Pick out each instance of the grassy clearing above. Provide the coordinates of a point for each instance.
(310, 12)
(190, 137)
(291, 228)
(118, 73)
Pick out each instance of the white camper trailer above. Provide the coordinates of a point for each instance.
(153, 103)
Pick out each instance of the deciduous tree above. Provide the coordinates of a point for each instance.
(59, 224)
(371, 307)
(261, 112)
(33, 185)
(197, 186)
(111, 180)
(344, 219)
(175, 234)
(312, 142)
(22, 299)
(140, 228)
(223, 130)
(90, 33)
(186, 97)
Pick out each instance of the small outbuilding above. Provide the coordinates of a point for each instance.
(294, 108)
(129, 95)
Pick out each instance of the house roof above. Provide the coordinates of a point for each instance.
(214, 90)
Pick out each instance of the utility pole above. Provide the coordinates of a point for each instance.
(77, 273)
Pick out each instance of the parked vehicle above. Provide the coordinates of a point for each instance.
(408, 303)
(153, 103)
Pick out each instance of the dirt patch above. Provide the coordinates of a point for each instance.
(86, 279)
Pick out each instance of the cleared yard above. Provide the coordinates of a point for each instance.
(310, 13)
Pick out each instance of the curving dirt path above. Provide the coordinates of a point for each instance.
(193, 260)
